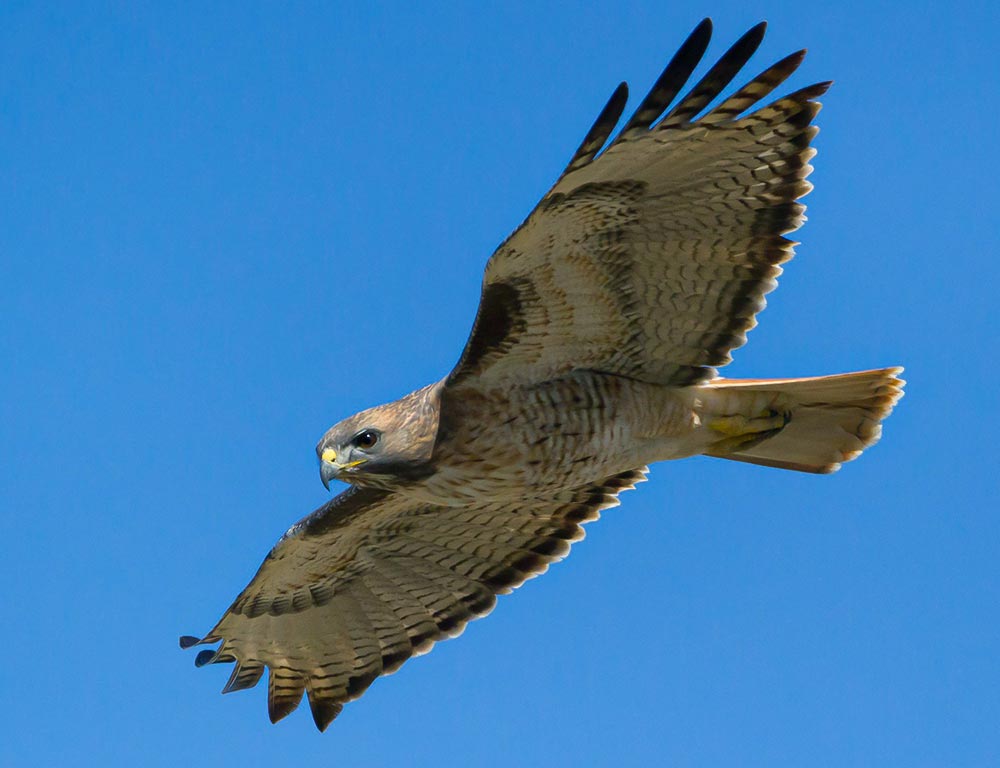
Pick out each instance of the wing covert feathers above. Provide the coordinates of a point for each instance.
(371, 579)
(650, 259)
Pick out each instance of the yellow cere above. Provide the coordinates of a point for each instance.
(328, 454)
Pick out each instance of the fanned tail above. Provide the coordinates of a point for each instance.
(817, 423)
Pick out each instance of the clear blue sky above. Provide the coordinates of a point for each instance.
(223, 231)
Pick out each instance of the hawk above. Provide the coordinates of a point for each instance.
(601, 324)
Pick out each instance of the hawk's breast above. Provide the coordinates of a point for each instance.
(504, 443)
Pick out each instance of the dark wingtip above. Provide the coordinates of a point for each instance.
(284, 692)
(817, 90)
(324, 712)
(244, 676)
(755, 34)
(187, 641)
(205, 657)
(278, 709)
(701, 34)
(599, 132)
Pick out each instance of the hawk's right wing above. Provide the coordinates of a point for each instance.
(651, 259)
(373, 578)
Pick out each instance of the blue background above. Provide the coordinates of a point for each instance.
(224, 230)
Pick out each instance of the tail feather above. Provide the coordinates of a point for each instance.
(830, 419)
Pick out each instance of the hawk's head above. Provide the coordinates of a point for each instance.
(385, 445)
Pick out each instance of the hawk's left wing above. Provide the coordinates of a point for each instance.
(651, 258)
(372, 578)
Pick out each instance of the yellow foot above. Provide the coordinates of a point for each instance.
(740, 432)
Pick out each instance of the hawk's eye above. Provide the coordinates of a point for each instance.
(366, 439)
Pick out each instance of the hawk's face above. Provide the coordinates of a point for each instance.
(382, 446)
(344, 456)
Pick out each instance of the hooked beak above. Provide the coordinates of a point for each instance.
(327, 472)
(330, 468)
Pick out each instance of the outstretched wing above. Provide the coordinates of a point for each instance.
(372, 578)
(651, 259)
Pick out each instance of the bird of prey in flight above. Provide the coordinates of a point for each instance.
(602, 322)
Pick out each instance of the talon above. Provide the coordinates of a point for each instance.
(730, 426)
(741, 432)
(739, 425)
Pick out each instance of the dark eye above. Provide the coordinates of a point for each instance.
(366, 439)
